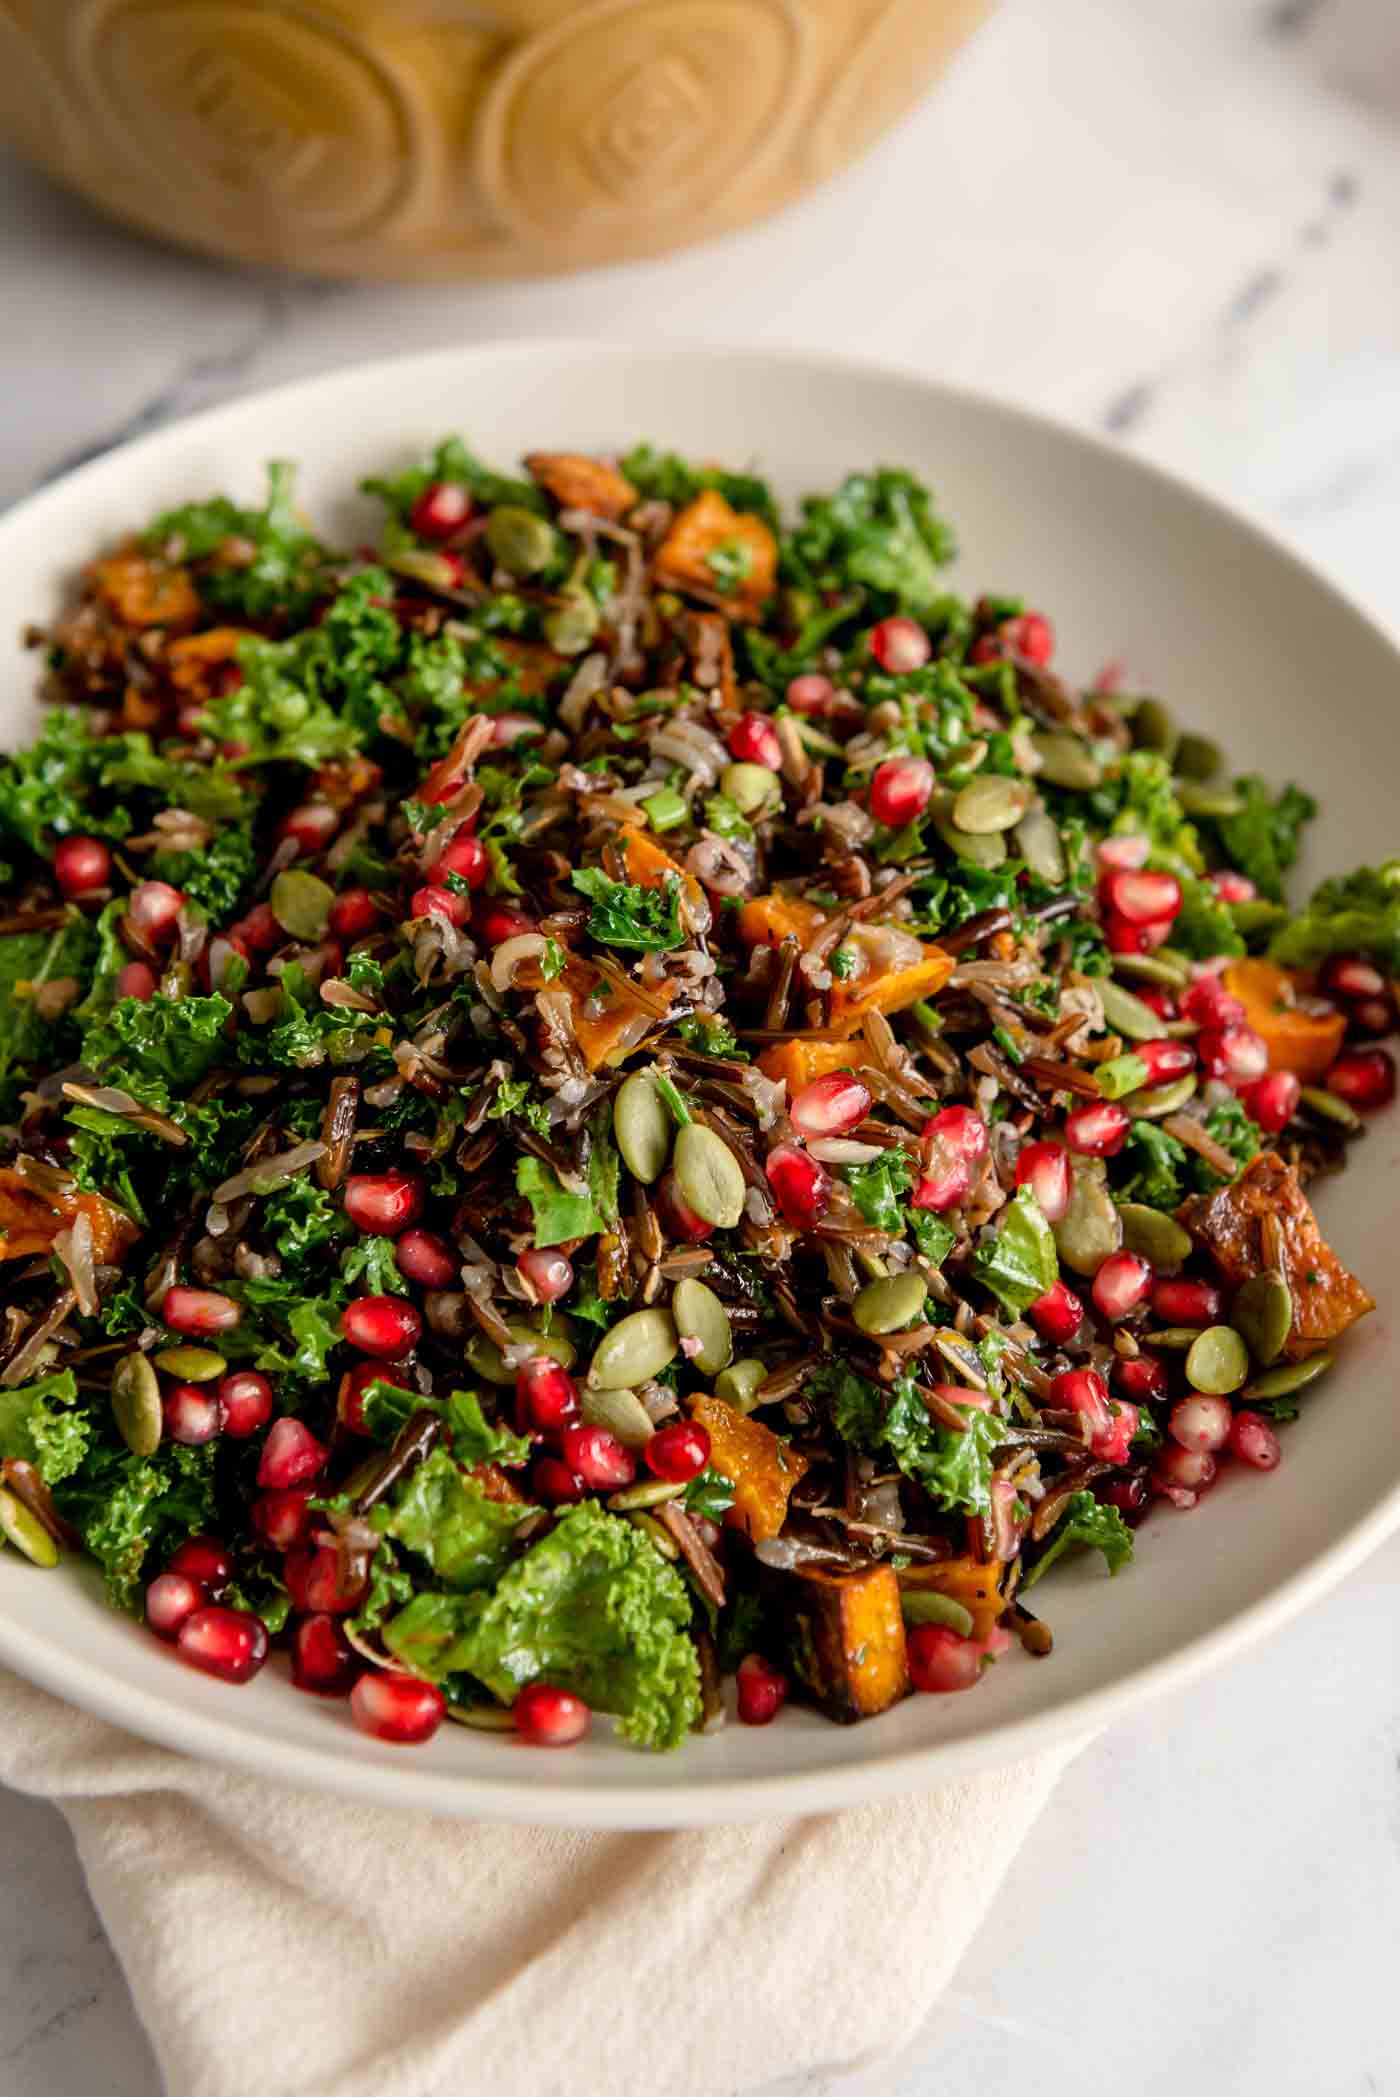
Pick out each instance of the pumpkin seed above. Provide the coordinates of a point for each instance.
(1263, 1312)
(1257, 914)
(570, 627)
(648, 1492)
(1153, 727)
(638, 1347)
(890, 1305)
(1154, 1102)
(708, 1178)
(1154, 1236)
(700, 1315)
(301, 903)
(1037, 839)
(622, 1412)
(518, 540)
(1331, 1108)
(1091, 1227)
(486, 1358)
(642, 1127)
(190, 1364)
(1198, 800)
(1161, 967)
(1175, 1338)
(924, 1605)
(436, 570)
(482, 1718)
(988, 850)
(738, 1383)
(660, 1536)
(1066, 760)
(1217, 1361)
(751, 787)
(25, 1532)
(1126, 1014)
(136, 1404)
(991, 803)
(1197, 757)
(1289, 1377)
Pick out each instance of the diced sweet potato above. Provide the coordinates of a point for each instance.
(1326, 1297)
(767, 920)
(644, 862)
(977, 1587)
(845, 1638)
(1306, 1043)
(30, 1220)
(891, 992)
(195, 658)
(145, 592)
(798, 1061)
(578, 483)
(601, 1013)
(760, 1466)
(704, 527)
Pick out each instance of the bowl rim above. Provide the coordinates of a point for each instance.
(877, 1774)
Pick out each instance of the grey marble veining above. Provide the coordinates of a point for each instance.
(1174, 221)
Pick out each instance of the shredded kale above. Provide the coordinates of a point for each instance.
(876, 1188)
(558, 1215)
(1262, 840)
(955, 1469)
(878, 531)
(624, 915)
(280, 579)
(1020, 1263)
(1086, 1522)
(1349, 914)
(666, 477)
(42, 1424)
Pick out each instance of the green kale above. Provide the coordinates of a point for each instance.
(40, 1423)
(708, 1493)
(624, 915)
(305, 1329)
(1262, 840)
(1154, 1162)
(594, 1608)
(1020, 1263)
(1206, 925)
(1085, 1522)
(1139, 799)
(369, 1267)
(558, 1214)
(445, 1516)
(217, 876)
(934, 1238)
(1232, 1128)
(391, 1587)
(880, 531)
(710, 1034)
(27, 961)
(450, 462)
(46, 788)
(280, 580)
(876, 1188)
(131, 1510)
(727, 819)
(1349, 914)
(173, 1039)
(955, 1469)
(513, 1096)
(301, 1220)
(729, 564)
(666, 477)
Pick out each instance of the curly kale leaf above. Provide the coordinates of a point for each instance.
(954, 1468)
(1085, 1522)
(878, 531)
(280, 579)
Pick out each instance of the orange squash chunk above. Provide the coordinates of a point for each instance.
(195, 656)
(845, 1638)
(143, 592)
(977, 1587)
(31, 1220)
(800, 1061)
(577, 483)
(601, 1014)
(1327, 1298)
(700, 529)
(891, 992)
(758, 1464)
(1306, 1043)
(767, 920)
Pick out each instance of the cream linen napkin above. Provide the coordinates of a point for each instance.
(283, 1945)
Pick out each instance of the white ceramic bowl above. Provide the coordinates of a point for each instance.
(1230, 628)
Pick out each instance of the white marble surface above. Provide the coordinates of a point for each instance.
(1174, 220)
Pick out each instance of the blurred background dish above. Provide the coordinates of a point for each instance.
(375, 138)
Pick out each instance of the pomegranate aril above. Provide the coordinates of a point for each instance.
(944, 1186)
(80, 864)
(229, 1643)
(1112, 1444)
(1372, 1017)
(1364, 1078)
(801, 1184)
(1099, 1130)
(1272, 1100)
(508, 728)
(1180, 1301)
(762, 1690)
(679, 1452)
(191, 1415)
(383, 1203)
(1233, 1053)
(205, 1559)
(1232, 887)
(153, 907)
(442, 509)
(171, 1600)
(546, 1396)
(754, 740)
(350, 1399)
(1157, 998)
(218, 958)
(324, 1663)
(1254, 1442)
(425, 1258)
(314, 1581)
(283, 1517)
(1207, 1003)
(554, 1483)
(1128, 1495)
(546, 1273)
(137, 980)
(899, 645)
(960, 1130)
(811, 694)
(940, 1662)
(259, 930)
(1165, 1060)
(1083, 1391)
(1032, 636)
(1141, 897)
(311, 827)
(1125, 853)
(245, 1399)
(676, 1216)
(1141, 1377)
(1121, 1284)
(502, 921)
(1200, 1423)
(830, 1105)
(1348, 976)
(199, 1311)
(1124, 937)
(291, 1455)
(1044, 1168)
(549, 1717)
(432, 901)
(353, 914)
(466, 857)
(900, 790)
(1190, 1470)
(1057, 1315)
(598, 1458)
(398, 1708)
(385, 1326)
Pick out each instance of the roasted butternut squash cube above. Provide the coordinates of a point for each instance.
(579, 483)
(844, 1637)
(976, 1586)
(760, 1465)
(709, 526)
